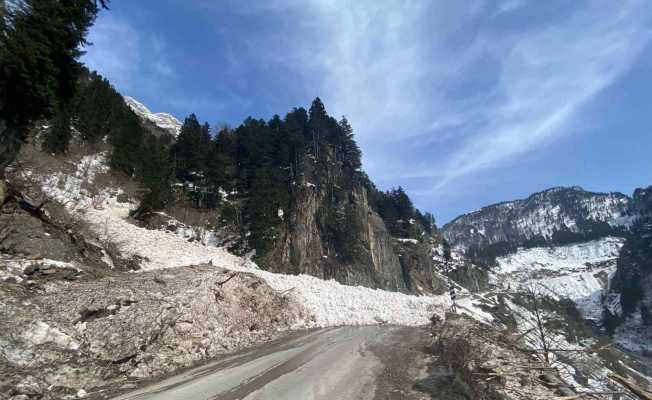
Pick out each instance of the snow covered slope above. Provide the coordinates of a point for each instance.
(330, 303)
(554, 216)
(164, 121)
(579, 272)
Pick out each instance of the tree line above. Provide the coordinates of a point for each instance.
(40, 44)
(261, 162)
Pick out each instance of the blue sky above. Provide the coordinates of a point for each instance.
(463, 103)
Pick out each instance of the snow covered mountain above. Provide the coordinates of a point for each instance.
(555, 216)
(165, 121)
(570, 244)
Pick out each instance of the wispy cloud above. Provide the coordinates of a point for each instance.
(132, 59)
(547, 76)
(115, 50)
(421, 75)
(508, 6)
(438, 92)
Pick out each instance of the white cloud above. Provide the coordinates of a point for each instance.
(436, 91)
(508, 6)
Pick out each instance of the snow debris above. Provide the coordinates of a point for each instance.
(330, 302)
(42, 333)
(405, 240)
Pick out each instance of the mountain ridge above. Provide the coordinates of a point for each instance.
(553, 216)
(162, 120)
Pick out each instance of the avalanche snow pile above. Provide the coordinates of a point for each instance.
(330, 302)
(579, 272)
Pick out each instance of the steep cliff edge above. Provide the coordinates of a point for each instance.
(331, 231)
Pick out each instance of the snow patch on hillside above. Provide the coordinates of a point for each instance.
(579, 272)
(69, 189)
(570, 258)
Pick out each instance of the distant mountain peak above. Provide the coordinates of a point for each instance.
(162, 120)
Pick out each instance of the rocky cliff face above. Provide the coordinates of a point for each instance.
(554, 216)
(332, 232)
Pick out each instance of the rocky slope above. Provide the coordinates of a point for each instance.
(61, 337)
(318, 218)
(570, 244)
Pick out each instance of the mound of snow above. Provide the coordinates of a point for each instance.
(331, 303)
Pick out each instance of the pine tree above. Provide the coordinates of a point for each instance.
(58, 136)
(317, 123)
(296, 127)
(39, 47)
(127, 141)
(188, 152)
(351, 151)
(155, 174)
(220, 163)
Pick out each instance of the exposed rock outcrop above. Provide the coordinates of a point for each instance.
(332, 232)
